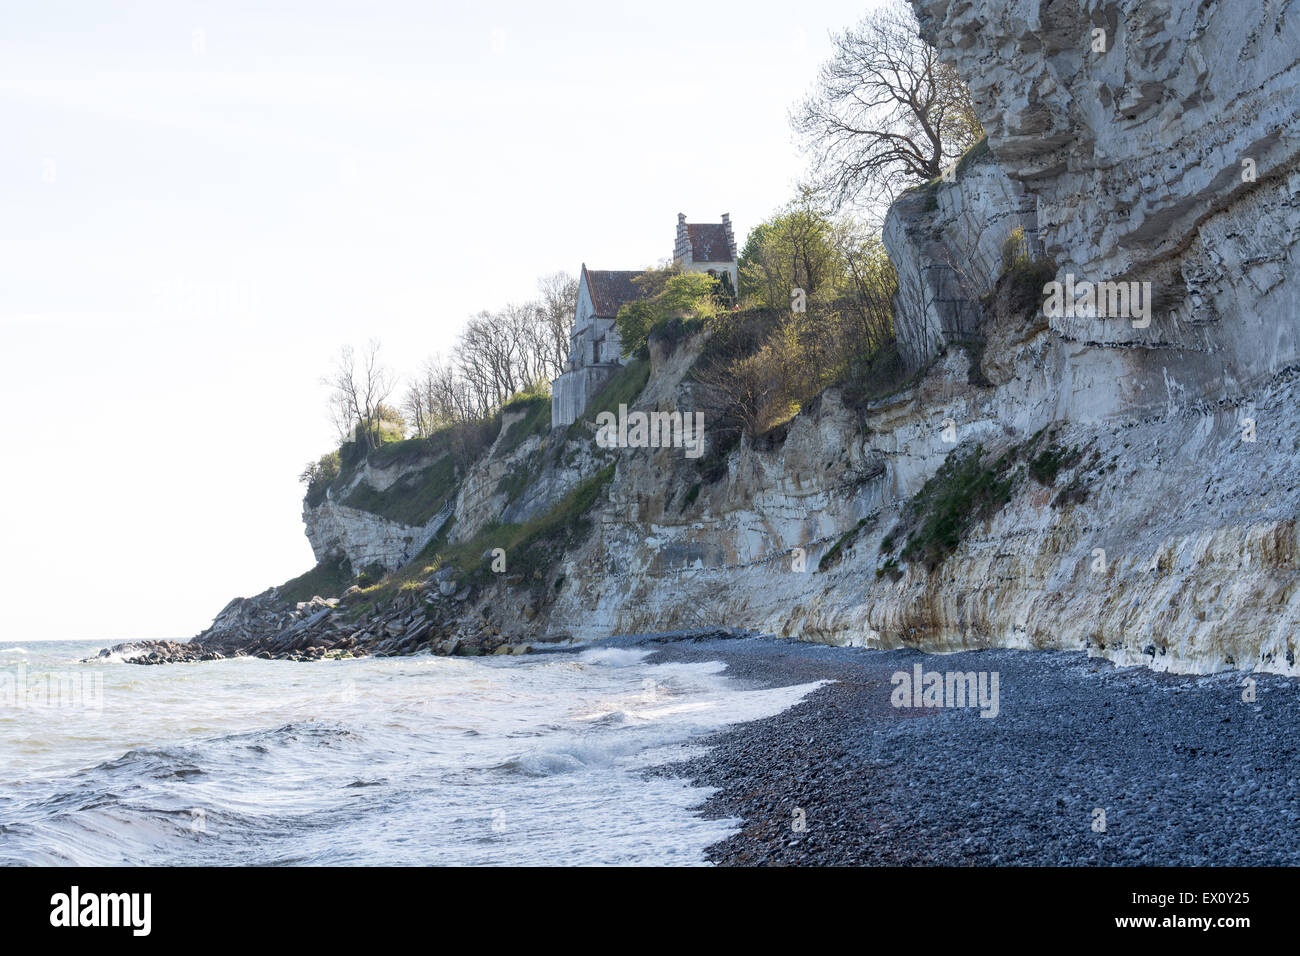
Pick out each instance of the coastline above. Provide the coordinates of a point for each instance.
(1185, 770)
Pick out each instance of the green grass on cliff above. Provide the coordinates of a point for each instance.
(536, 420)
(622, 388)
(463, 441)
(976, 151)
(400, 452)
(1051, 461)
(971, 487)
(531, 548)
(836, 551)
(413, 499)
(965, 490)
(524, 543)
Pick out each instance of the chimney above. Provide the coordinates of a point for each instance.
(731, 238)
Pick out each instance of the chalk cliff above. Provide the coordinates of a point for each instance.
(1141, 483)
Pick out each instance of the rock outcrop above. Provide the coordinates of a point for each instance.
(946, 242)
(1169, 155)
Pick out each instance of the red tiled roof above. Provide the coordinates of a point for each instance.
(709, 242)
(611, 289)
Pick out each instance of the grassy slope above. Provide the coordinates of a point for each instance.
(529, 547)
(412, 500)
(328, 579)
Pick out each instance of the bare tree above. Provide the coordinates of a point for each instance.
(524, 327)
(558, 303)
(486, 358)
(884, 111)
(870, 285)
(359, 389)
(735, 393)
(498, 354)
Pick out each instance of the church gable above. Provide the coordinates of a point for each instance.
(699, 242)
(709, 242)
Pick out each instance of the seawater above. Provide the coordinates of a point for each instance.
(419, 760)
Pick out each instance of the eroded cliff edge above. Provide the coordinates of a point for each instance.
(1127, 490)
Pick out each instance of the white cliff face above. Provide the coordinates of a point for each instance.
(1182, 553)
(946, 244)
(1171, 157)
(508, 485)
(546, 468)
(364, 538)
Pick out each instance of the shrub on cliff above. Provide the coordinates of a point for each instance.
(964, 491)
(690, 297)
(414, 498)
(763, 364)
(1018, 292)
(318, 475)
(536, 408)
(798, 247)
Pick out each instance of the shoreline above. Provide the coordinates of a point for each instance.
(1185, 770)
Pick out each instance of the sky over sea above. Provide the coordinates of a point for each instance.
(203, 202)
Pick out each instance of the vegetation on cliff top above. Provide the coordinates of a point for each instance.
(817, 312)
(691, 299)
(414, 498)
(535, 406)
(501, 359)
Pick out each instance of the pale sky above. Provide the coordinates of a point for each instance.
(200, 202)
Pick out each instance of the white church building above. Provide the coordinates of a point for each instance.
(595, 352)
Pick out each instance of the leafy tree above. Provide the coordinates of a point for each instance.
(390, 425)
(318, 474)
(798, 248)
(763, 363)
(323, 470)
(694, 296)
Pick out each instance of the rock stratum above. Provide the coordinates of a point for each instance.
(1144, 479)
